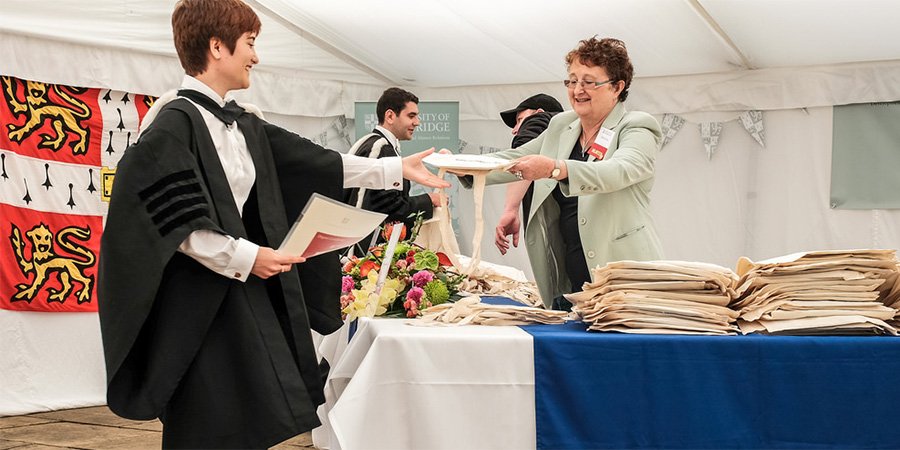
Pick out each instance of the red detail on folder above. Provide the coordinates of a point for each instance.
(324, 242)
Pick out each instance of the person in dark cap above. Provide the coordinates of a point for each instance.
(528, 120)
(538, 103)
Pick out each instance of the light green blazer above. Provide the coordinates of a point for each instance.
(613, 197)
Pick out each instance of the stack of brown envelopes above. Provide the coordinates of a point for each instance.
(891, 293)
(470, 311)
(835, 292)
(665, 297)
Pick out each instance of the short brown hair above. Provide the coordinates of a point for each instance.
(195, 22)
(608, 53)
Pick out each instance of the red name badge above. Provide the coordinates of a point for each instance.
(597, 151)
(601, 145)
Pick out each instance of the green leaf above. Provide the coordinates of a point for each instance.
(427, 259)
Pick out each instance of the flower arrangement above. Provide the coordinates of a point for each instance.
(417, 278)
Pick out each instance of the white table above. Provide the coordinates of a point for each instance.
(399, 386)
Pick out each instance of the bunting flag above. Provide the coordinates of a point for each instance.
(671, 125)
(753, 123)
(340, 130)
(710, 133)
(321, 139)
(59, 147)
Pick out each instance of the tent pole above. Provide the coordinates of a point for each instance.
(723, 36)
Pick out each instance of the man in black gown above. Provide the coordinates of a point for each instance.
(397, 111)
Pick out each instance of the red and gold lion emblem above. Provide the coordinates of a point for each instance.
(38, 107)
(45, 262)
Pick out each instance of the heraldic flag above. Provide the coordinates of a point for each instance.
(59, 147)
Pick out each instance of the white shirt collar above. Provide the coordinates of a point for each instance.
(190, 82)
(390, 136)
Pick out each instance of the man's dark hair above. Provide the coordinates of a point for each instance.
(393, 99)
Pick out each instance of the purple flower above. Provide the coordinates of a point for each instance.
(422, 278)
(415, 294)
(346, 283)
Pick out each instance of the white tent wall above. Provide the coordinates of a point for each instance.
(759, 202)
(744, 201)
(50, 361)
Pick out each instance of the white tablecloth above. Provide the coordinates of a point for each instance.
(398, 386)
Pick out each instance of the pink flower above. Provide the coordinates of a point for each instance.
(346, 300)
(346, 283)
(422, 278)
(415, 295)
(401, 264)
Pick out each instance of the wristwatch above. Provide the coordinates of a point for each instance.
(556, 170)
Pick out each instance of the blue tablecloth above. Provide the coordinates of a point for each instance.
(609, 390)
(503, 301)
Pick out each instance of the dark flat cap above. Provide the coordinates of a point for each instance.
(538, 101)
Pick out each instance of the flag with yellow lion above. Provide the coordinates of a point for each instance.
(59, 147)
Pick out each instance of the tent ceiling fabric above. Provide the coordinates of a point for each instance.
(438, 43)
(362, 46)
(786, 33)
(145, 26)
(505, 42)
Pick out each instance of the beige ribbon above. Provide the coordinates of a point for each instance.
(447, 235)
(470, 311)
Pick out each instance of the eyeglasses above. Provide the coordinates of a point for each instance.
(586, 85)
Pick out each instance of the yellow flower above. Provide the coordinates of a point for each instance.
(367, 302)
(359, 307)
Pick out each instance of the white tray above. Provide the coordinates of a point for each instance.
(464, 161)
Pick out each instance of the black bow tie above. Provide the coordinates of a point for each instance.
(227, 114)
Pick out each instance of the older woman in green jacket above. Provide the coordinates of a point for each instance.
(593, 171)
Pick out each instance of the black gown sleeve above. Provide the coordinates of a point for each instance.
(304, 168)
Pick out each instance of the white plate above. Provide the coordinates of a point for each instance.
(463, 161)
